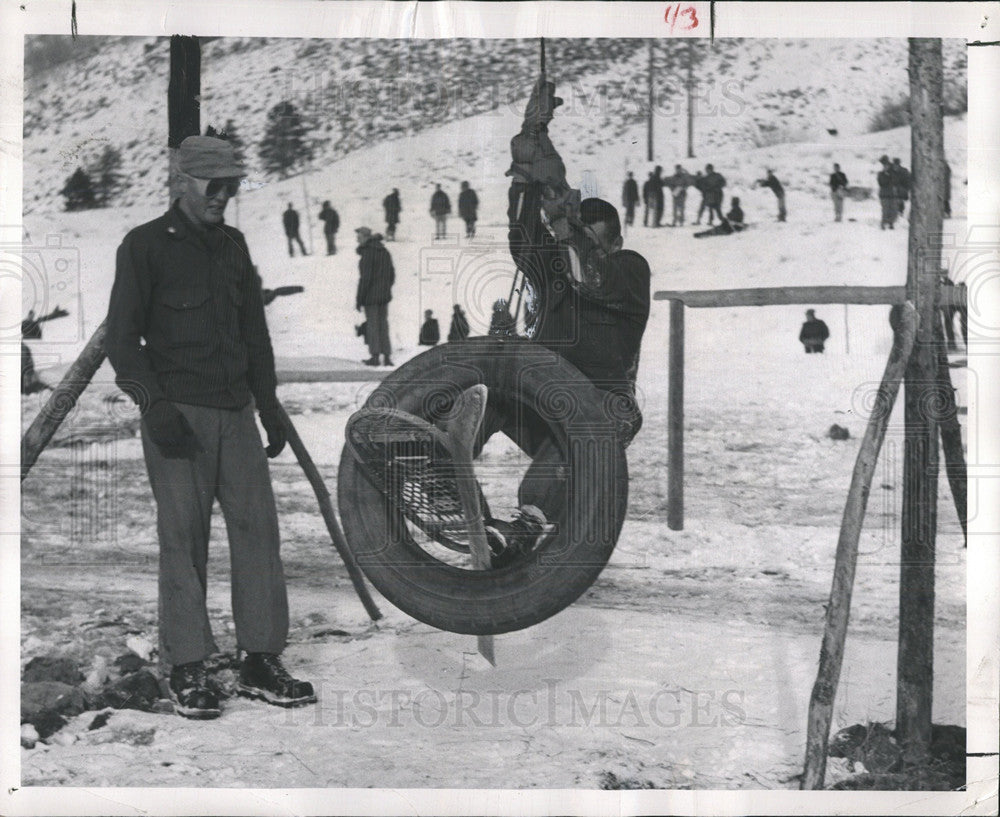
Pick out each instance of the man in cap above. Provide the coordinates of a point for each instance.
(189, 344)
(376, 277)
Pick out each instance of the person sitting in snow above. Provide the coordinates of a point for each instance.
(731, 223)
(430, 332)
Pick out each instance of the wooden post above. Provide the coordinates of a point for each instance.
(915, 658)
(62, 400)
(326, 509)
(183, 100)
(650, 100)
(675, 419)
(690, 99)
(838, 609)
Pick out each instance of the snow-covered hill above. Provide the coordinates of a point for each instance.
(751, 93)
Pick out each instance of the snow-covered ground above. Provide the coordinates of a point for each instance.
(701, 645)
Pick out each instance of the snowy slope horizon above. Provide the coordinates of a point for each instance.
(752, 93)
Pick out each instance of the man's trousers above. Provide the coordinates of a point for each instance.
(233, 469)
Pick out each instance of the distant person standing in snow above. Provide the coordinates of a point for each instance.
(712, 184)
(698, 183)
(393, 208)
(838, 190)
(459, 329)
(678, 184)
(440, 208)
(375, 280)
(331, 223)
(430, 332)
(290, 218)
(776, 187)
(468, 205)
(630, 198)
(901, 177)
(658, 198)
(887, 194)
(814, 333)
(648, 201)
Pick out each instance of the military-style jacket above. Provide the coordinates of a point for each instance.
(186, 317)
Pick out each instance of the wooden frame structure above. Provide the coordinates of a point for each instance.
(765, 296)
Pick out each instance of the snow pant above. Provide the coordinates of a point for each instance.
(838, 204)
(30, 381)
(649, 210)
(295, 237)
(331, 243)
(948, 317)
(782, 212)
(440, 226)
(813, 346)
(890, 211)
(233, 469)
(390, 230)
(713, 209)
(677, 219)
(545, 483)
(629, 214)
(659, 213)
(470, 227)
(377, 330)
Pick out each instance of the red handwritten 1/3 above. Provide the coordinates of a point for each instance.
(681, 17)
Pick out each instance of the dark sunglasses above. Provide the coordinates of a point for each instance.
(210, 188)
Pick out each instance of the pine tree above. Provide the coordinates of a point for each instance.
(229, 133)
(107, 172)
(79, 191)
(285, 144)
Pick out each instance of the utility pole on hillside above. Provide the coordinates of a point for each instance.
(690, 95)
(649, 101)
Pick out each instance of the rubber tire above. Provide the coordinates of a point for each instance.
(582, 420)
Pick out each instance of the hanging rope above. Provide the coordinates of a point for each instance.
(503, 322)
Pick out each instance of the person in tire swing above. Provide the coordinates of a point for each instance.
(189, 344)
(594, 299)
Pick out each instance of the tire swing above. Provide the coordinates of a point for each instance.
(526, 381)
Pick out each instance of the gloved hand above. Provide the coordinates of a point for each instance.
(171, 432)
(270, 419)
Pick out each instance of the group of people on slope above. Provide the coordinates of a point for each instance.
(710, 184)
(440, 209)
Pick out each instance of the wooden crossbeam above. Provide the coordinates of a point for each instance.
(783, 296)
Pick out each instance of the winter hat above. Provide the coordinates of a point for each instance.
(884, 159)
(206, 157)
(364, 233)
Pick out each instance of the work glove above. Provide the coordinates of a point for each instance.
(171, 432)
(271, 420)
